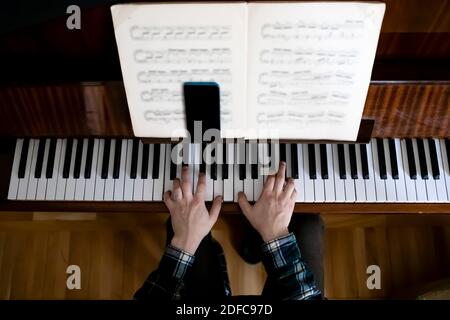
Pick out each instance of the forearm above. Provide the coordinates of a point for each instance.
(288, 277)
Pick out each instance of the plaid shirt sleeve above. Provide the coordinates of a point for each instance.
(167, 282)
(288, 278)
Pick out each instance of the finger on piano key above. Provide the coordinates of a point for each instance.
(239, 153)
(81, 181)
(339, 172)
(228, 181)
(275, 157)
(422, 158)
(400, 183)
(158, 183)
(360, 186)
(370, 182)
(410, 183)
(91, 169)
(14, 180)
(349, 183)
(71, 181)
(430, 183)
(61, 182)
(78, 156)
(42, 180)
(309, 183)
(391, 192)
(300, 182)
(441, 187)
(421, 190)
(433, 158)
(148, 179)
(138, 187)
(327, 169)
(40, 158)
(319, 184)
(109, 181)
(168, 184)
(409, 149)
(445, 163)
(380, 186)
(99, 181)
(259, 181)
(393, 158)
(128, 180)
(32, 181)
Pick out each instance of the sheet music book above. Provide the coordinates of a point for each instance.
(288, 70)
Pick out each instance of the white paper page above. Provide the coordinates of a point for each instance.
(163, 45)
(310, 66)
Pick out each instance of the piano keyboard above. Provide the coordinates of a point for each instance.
(384, 170)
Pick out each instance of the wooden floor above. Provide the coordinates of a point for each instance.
(117, 251)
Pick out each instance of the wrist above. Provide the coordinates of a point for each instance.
(274, 234)
(188, 245)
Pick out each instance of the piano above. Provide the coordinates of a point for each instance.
(67, 143)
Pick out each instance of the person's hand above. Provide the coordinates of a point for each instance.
(191, 221)
(271, 214)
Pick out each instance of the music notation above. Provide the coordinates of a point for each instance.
(281, 79)
(169, 115)
(180, 32)
(303, 98)
(299, 118)
(308, 56)
(177, 76)
(183, 56)
(167, 95)
(348, 29)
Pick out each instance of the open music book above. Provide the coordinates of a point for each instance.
(286, 70)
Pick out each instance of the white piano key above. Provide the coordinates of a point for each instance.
(371, 193)
(360, 186)
(228, 184)
(90, 183)
(263, 155)
(380, 186)
(109, 181)
(148, 183)
(238, 184)
(248, 182)
(81, 181)
(218, 183)
(441, 187)
(430, 182)
(138, 188)
(391, 192)
(339, 185)
(61, 183)
(258, 183)
(400, 184)
(309, 183)
(119, 183)
(32, 181)
(299, 183)
(50, 193)
(319, 184)
(42, 181)
(410, 184)
(446, 169)
(71, 181)
(209, 192)
(99, 182)
(330, 195)
(128, 182)
(349, 183)
(158, 184)
(421, 189)
(14, 180)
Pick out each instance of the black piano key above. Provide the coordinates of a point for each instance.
(323, 161)
(447, 148)
(242, 172)
(283, 152)
(364, 162)
(105, 162)
(145, 158)
(214, 164)
(312, 161)
(23, 158)
(269, 152)
(89, 155)
(411, 161)
(39, 159)
(341, 160)
(353, 165)
(381, 159)
(241, 158)
(67, 158)
(422, 159)
(117, 159)
(173, 166)
(78, 154)
(51, 159)
(225, 162)
(393, 158)
(156, 156)
(134, 159)
(253, 149)
(434, 159)
(294, 161)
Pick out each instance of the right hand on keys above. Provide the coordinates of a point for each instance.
(271, 214)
